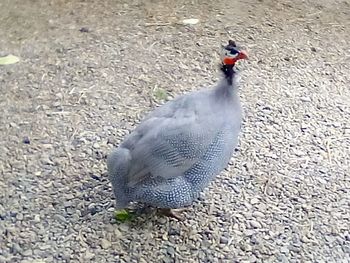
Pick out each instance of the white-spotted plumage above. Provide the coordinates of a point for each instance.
(178, 148)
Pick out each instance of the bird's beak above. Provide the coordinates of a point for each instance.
(243, 54)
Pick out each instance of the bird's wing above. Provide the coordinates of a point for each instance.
(167, 146)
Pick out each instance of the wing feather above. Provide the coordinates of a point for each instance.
(173, 145)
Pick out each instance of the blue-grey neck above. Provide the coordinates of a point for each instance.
(227, 87)
(229, 72)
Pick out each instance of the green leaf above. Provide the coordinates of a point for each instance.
(160, 94)
(9, 59)
(123, 215)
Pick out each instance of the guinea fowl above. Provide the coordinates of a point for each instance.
(180, 147)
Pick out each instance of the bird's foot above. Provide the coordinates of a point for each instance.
(173, 213)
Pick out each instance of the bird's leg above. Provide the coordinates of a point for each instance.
(172, 213)
(145, 209)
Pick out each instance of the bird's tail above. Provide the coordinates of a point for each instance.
(118, 163)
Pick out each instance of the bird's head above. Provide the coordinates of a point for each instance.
(230, 55)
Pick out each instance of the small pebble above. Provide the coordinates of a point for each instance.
(246, 247)
(96, 145)
(252, 259)
(224, 240)
(60, 218)
(26, 140)
(258, 214)
(84, 30)
(37, 218)
(254, 201)
(19, 216)
(284, 250)
(16, 248)
(305, 99)
(105, 244)
(88, 255)
(249, 232)
(255, 224)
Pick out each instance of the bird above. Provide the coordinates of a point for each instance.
(181, 146)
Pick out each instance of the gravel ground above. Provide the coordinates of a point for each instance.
(91, 69)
